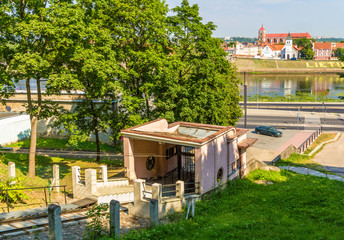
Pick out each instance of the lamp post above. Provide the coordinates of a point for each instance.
(245, 100)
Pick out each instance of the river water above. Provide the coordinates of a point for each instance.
(329, 86)
(285, 86)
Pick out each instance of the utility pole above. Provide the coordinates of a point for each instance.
(245, 100)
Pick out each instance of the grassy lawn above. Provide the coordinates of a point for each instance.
(305, 64)
(322, 138)
(300, 160)
(294, 207)
(300, 97)
(44, 171)
(62, 144)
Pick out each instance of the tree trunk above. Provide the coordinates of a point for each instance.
(32, 155)
(33, 121)
(96, 131)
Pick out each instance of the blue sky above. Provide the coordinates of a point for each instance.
(245, 17)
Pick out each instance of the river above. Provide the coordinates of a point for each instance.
(326, 86)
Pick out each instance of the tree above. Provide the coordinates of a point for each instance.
(306, 46)
(27, 53)
(339, 53)
(88, 64)
(143, 51)
(199, 84)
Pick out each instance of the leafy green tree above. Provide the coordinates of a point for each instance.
(143, 54)
(90, 66)
(306, 46)
(339, 53)
(199, 84)
(27, 53)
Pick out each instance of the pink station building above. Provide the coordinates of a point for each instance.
(205, 154)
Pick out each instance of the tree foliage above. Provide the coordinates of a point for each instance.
(200, 85)
(132, 61)
(339, 53)
(306, 46)
(27, 54)
(89, 65)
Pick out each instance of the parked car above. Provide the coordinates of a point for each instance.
(267, 130)
(293, 59)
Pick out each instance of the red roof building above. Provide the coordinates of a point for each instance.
(322, 50)
(277, 38)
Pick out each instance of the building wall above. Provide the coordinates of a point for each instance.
(143, 149)
(14, 128)
(214, 156)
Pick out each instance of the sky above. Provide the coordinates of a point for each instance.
(245, 17)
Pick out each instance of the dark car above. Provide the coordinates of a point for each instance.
(293, 59)
(267, 130)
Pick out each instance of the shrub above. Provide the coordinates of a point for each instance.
(97, 227)
(13, 196)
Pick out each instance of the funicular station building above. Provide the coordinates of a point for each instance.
(205, 154)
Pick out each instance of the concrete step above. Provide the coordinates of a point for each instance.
(114, 190)
(122, 194)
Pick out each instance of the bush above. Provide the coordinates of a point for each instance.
(13, 196)
(97, 228)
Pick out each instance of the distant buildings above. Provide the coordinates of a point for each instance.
(325, 50)
(277, 38)
(280, 46)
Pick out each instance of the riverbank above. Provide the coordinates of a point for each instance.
(290, 67)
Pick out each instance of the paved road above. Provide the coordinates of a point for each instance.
(329, 107)
(290, 120)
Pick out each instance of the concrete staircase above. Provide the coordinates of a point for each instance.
(123, 194)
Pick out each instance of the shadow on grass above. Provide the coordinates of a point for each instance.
(44, 165)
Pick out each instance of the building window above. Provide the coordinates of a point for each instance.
(150, 162)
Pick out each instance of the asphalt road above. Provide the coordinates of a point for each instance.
(293, 106)
(289, 120)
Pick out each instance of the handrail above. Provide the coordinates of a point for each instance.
(309, 140)
(45, 193)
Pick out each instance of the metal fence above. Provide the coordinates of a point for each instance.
(45, 189)
(169, 190)
(145, 191)
(309, 140)
(191, 188)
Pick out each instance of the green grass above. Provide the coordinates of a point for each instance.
(44, 166)
(294, 207)
(301, 160)
(262, 64)
(322, 138)
(62, 144)
(299, 97)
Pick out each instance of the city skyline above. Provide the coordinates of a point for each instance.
(244, 18)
